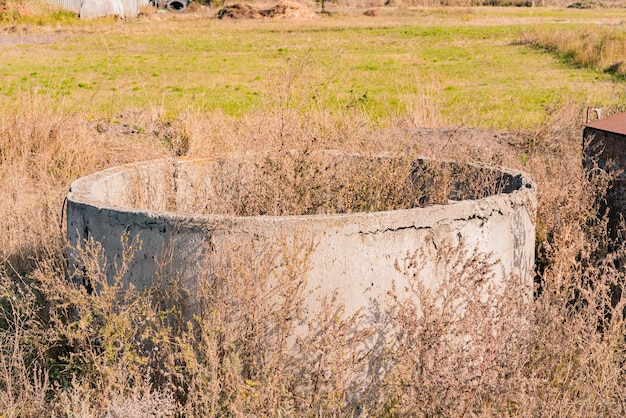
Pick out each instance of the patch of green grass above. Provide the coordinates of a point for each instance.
(470, 62)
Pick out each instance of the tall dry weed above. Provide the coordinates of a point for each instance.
(599, 47)
(41, 152)
(579, 312)
(460, 347)
(93, 347)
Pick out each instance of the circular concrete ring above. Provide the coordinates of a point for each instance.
(355, 254)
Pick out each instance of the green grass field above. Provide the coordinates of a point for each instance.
(469, 61)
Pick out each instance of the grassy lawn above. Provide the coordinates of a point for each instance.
(468, 62)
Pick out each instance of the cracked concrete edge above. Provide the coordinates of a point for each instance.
(82, 192)
(358, 247)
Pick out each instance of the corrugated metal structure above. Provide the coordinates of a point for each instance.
(89, 9)
(71, 5)
(604, 147)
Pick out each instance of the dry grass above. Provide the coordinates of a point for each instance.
(111, 352)
(599, 47)
(38, 160)
(117, 351)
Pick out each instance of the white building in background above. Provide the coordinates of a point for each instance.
(96, 8)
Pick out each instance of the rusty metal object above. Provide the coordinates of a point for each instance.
(604, 147)
(604, 144)
(615, 124)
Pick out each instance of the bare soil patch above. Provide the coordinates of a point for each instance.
(15, 35)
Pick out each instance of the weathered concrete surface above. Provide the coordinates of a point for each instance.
(354, 254)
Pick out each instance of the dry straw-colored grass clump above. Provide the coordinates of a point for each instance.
(306, 182)
(599, 47)
(282, 10)
(98, 348)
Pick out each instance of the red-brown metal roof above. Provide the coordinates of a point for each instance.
(615, 124)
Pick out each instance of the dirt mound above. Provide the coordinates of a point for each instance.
(290, 10)
(372, 12)
(239, 11)
(283, 10)
(587, 4)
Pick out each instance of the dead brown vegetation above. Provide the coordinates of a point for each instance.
(598, 47)
(118, 351)
(282, 10)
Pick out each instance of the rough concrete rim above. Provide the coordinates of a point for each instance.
(81, 193)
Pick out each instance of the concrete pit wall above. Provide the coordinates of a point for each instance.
(185, 211)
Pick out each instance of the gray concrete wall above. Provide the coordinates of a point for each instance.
(354, 255)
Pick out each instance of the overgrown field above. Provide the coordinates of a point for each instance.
(77, 97)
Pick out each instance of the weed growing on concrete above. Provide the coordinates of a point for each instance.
(456, 345)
